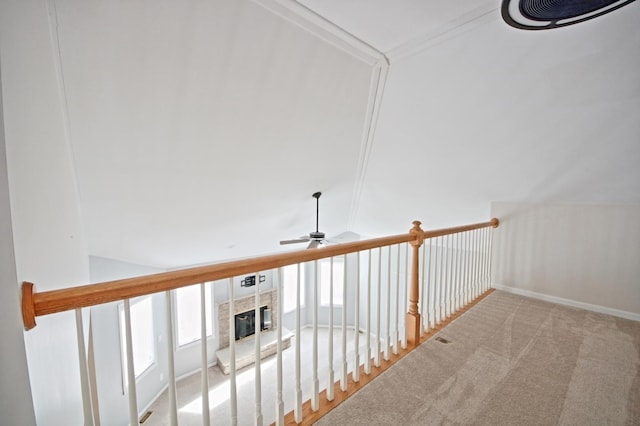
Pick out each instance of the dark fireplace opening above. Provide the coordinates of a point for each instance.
(246, 322)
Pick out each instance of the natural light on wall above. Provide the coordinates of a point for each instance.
(188, 318)
(144, 353)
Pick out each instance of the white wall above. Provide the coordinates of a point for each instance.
(16, 405)
(490, 113)
(48, 238)
(173, 100)
(587, 254)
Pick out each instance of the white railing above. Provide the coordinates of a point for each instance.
(383, 282)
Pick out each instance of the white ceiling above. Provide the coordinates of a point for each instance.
(389, 25)
(200, 129)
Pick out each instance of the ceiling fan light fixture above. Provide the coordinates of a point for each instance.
(549, 14)
(315, 238)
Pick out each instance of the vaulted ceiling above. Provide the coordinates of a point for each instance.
(200, 129)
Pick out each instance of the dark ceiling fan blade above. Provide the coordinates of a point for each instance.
(297, 240)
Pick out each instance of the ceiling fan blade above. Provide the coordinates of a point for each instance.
(314, 244)
(297, 240)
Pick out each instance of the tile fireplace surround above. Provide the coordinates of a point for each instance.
(268, 298)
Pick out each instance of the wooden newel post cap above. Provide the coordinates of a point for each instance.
(28, 306)
(418, 232)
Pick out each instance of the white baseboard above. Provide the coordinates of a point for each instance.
(568, 302)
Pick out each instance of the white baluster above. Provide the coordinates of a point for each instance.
(490, 284)
(343, 378)
(437, 282)
(423, 292)
(443, 279)
(447, 277)
(257, 366)
(487, 256)
(278, 318)
(487, 262)
(405, 295)
(478, 261)
(450, 264)
(171, 369)
(84, 371)
(475, 264)
(315, 398)
(396, 336)
(131, 375)
(457, 268)
(467, 267)
(330, 379)
(298, 398)
(429, 302)
(482, 260)
(356, 335)
(436, 294)
(387, 334)
(233, 390)
(470, 265)
(367, 362)
(452, 274)
(445, 283)
(204, 357)
(445, 258)
(463, 253)
(378, 330)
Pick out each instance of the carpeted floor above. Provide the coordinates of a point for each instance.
(510, 361)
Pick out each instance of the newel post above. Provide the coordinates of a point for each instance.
(413, 316)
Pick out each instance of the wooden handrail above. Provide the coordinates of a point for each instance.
(464, 228)
(35, 304)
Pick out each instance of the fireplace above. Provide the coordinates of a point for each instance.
(246, 322)
(244, 319)
(243, 305)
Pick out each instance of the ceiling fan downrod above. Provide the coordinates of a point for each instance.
(317, 233)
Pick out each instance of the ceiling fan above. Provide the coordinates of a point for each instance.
(315, 238)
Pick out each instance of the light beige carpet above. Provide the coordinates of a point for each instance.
(510, 361)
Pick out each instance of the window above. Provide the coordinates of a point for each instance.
(142, 337)
(187, 306)
(325, 281)
(289, 285)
